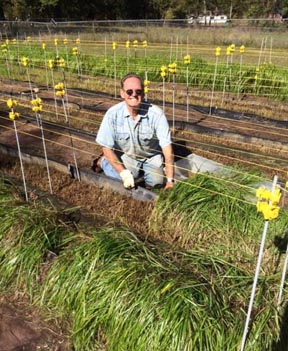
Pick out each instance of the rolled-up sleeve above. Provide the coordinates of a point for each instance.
(162, 129)
(163, 134)
(105, 133)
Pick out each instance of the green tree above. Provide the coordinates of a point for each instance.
(16, 9)
(177, 9)
(282, 7)
(137, 9)
(2, 12)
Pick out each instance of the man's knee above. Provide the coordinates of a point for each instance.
(154, 180)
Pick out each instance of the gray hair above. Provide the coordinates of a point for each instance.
(132, 75)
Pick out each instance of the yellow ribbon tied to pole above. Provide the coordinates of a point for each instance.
(268, 203)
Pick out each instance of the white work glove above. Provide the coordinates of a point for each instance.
(127, 178)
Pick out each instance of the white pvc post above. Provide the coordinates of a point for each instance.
(213, 86)
(260, 255)
(44, 149)
(173, 104)
(55, 99)
(20, 159)
(282, 279)
(71, 140)
(187, 93)
(115, 74)
(163, 97)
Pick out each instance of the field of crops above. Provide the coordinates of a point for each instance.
(208, 271)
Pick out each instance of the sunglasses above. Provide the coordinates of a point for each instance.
(138, 92)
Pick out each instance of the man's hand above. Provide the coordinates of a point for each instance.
(127, 178)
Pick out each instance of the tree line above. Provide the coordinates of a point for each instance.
(38, 10)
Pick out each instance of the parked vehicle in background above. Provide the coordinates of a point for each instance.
(208, 20)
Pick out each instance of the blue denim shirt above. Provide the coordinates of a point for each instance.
(138, 139)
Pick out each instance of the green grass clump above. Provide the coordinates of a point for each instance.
(216, 214)
(140, 294)
(28, 235)
(118, 291)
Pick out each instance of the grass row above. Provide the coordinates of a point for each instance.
(121, 292)
(223, 74)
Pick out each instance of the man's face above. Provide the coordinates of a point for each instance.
(132, 92)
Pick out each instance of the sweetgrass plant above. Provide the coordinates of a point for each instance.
(216, 214)
(118, 291)
(267, 80)
(136, 293)
(28, 234)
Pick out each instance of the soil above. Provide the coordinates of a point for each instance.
(22, 327)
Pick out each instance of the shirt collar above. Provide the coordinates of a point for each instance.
(143, 111)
